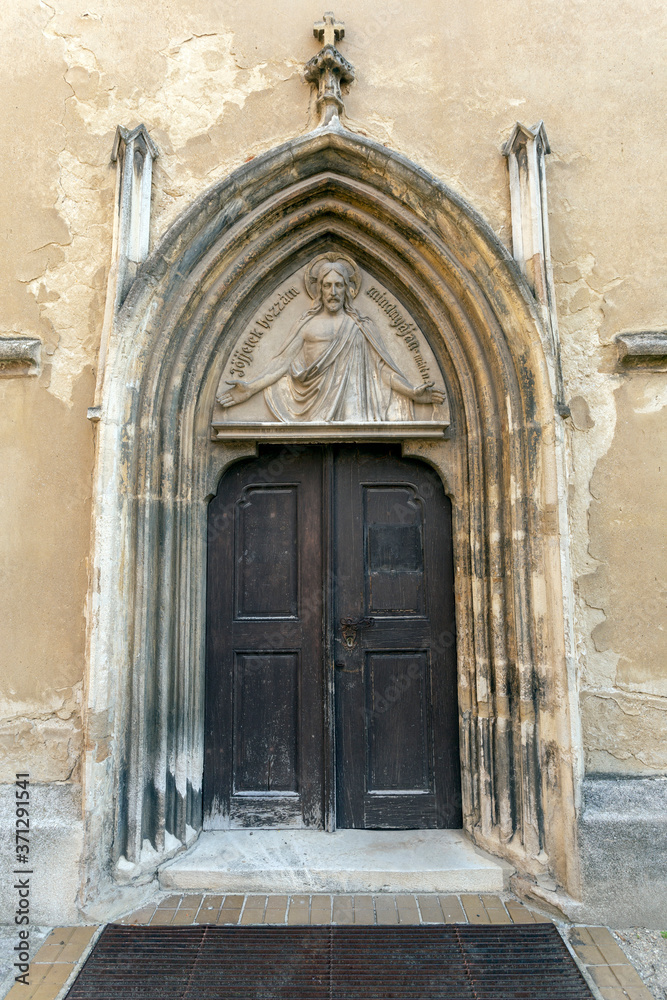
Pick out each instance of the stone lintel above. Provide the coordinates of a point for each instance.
(227, 430)
(644, 349)
(19, 356)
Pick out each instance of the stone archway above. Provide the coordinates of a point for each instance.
(157, 467)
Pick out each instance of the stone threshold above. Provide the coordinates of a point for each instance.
(347, 861)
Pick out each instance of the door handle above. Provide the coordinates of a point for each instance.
(351, 626)
(342, 669)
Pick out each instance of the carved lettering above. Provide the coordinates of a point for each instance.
(401, 327)
(243, 355)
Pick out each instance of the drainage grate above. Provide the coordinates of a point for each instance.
(520, 962)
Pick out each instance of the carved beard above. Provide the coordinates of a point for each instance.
(318, 303)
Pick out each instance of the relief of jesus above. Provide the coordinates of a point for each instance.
(334, 366)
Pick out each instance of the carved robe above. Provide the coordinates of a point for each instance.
(344, 384)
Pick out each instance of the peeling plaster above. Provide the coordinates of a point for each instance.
(655, 398)
(639, 725)
(200, 82)
(46, 743)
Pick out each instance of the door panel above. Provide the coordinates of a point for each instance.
(266, 722)
(330, 644)
(397, 760)
(266, 557)
(399, 738)
(264, 742)
(394, 561)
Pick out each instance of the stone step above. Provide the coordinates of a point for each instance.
(348, 861)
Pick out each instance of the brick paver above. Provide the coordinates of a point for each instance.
(343, 910)
(452, 910)
(496, 910)
(172, 902)
(607, 964)
(276, 910)
(604, 961)
(475, 910)
(299, 910)
(385, 909)
(408, 911)
(54, 963)
(253, 911)
(364, 911)
(320, 909)
(430, 910)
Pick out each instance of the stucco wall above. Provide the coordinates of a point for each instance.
(443, 83)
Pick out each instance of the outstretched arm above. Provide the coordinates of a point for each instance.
(424, 393)
(241, 390)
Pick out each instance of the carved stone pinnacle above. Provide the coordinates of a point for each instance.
(329, 69)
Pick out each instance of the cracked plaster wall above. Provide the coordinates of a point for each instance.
(219, 82)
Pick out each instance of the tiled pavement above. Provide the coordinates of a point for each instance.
(595, 947)
(54, 963)
(321, 909)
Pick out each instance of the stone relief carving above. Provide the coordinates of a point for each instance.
(332, 364)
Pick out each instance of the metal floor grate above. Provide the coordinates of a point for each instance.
(520, 962)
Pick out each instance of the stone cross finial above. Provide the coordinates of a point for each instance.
(328, 69)
(329, 30)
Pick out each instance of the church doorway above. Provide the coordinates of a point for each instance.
(331, 678)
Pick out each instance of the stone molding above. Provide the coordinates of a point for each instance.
(646, 349)
(157, 468)
(318, 432)
(328, 70)
(526, 150)
(19, 356)
(133, 153)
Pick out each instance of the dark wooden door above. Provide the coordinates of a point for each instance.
(331, 666)
(264, 740)
(397, 759)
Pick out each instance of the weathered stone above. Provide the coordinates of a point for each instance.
(643, 350)
(328, 69)
(623, 840)
(19, 356)
(379, 357)
(56, 843)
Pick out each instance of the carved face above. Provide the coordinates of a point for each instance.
(334, 286)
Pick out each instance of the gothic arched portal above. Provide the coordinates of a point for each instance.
(157, 468)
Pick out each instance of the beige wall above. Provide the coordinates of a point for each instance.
(217, 83)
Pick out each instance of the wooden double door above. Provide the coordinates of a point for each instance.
(331, 695)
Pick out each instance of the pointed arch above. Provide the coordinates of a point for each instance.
(157, 467)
